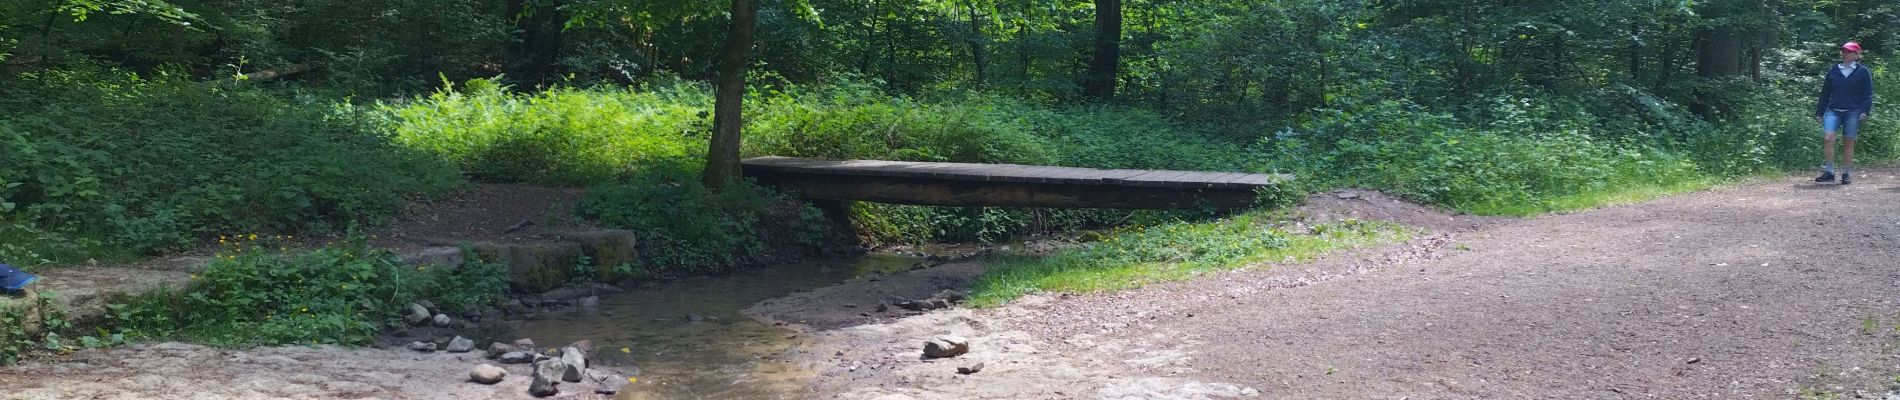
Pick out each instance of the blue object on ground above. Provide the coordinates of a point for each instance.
(14, 279)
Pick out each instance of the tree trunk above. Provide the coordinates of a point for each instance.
(1719, 57)
(977, 49)
(531, 59)
(1721, 53)
(1106, 65)
(722, 155)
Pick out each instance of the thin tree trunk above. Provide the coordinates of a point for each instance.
(1104, 69)
(1022, 47)
(722, 155)
(977, 49)
(1636, 52)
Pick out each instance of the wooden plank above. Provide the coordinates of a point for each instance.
(1156, 179)
(1225, 180)
(1014, 173)
(1077, 176)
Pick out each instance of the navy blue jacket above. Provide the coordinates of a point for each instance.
(1854, 92)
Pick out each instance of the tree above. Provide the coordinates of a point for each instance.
(1105, 66)
(532, 57)
(735, 55)
(722, 154)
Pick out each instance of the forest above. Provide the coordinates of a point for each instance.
(132, 129)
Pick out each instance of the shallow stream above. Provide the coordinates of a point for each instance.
(689, 339)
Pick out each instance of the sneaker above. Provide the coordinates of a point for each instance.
(1826, 176)
(1847, 178)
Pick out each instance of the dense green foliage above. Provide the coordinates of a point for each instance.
(339, 294)
(149, 165)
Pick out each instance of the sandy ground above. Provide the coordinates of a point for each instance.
(1772, 290)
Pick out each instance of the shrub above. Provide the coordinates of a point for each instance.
(1519, 164)
(337, 294)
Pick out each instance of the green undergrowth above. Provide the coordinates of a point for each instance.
(1531, 154)
(641, 149)
(22, 329)
(105, 164)
(684, 227)
(1135, 256)
(343, 293)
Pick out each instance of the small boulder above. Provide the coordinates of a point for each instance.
(427, 305)
(694, 318)
(460, 345)
(515, 307)
(586, 346)
(417, 314)
(516, 357)
(588, 302)
(576, 364)
(496, 349)
(946, 346)
(605, 382)
(443, 320)
(524, 344)
(970, 369)
(487, 374)
(426, 347)
(547, 375)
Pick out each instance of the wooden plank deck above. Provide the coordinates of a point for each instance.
(1013, 173)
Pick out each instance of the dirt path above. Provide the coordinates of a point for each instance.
(1773, 290)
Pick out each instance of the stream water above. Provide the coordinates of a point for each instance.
(689, 339)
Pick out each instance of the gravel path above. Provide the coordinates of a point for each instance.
(1772, 290)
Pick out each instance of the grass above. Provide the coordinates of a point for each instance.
(1133, 257)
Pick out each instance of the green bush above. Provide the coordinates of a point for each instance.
(339, 294)
(1523, 162)
(156, 164)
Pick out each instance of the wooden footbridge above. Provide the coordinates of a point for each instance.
(1006, 185)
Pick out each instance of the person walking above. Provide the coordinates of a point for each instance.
(1847, 99)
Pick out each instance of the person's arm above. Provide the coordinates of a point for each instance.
(1867, 95)
(1827, 88)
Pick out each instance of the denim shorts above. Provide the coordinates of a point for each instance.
(1832, 121)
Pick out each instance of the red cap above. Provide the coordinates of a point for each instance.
(1851, 46)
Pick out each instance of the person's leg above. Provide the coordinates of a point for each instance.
(1850, 131)
(1830, 123)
